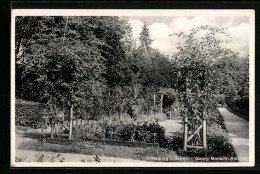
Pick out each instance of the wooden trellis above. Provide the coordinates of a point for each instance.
(158, 102)
(203, 126)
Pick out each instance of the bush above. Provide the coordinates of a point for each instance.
(239, 105)
(217, 140)
(148, 132)
(218, 143)
(48, 157)
(29, 114)
(176, 143)
(20, 159)
(157, 117)
(82, 132)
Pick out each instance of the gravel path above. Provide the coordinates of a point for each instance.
(238, 132)
(172, 125)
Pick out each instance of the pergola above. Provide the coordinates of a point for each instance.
(158, 97)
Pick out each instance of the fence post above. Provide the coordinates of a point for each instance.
(154, 100)
(161, 103)
(71, 118)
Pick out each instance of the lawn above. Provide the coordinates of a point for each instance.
(90, 148)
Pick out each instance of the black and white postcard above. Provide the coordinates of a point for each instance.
(132, 88)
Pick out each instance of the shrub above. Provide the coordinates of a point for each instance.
(217, 140)
(82, 132)
(45, 157)
(176, 142)
(148, 132)
(158, 131)
(20, 159)
(240, 105)
(29, 114)
(157, 117)
(218, 143)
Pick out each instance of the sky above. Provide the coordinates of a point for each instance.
(161, 26)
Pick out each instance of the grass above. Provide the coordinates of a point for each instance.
(90, 148)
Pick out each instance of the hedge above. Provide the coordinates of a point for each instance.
(29, 114)
(122, 131)
(239, 106)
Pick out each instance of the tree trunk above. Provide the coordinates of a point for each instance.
(185, 133)
(71, 118)
(18, 46)
(205, 137)
(161, 103)
(52, 130)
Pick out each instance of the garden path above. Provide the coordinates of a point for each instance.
(238, 132)
(173, 125)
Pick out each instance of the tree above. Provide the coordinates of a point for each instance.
(197, 74)
(64, 65)
(115, 32)
(145, 38)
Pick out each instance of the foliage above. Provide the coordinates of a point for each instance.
(20, 159)
(29, 114)
(42, 157)
(217, 140)
(239, 105)
(145, 37)
(90, 62)
(97, 159)
(149, 132)
(197, 70)
(218, 143)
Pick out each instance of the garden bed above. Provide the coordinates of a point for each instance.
(127, 132)
(219, 146)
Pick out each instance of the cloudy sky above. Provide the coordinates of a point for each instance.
(160, 28)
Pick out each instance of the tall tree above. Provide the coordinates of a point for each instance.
(195, 66)
(145, 37)
(64, 65)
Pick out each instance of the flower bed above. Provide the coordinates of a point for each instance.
(121, 131)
